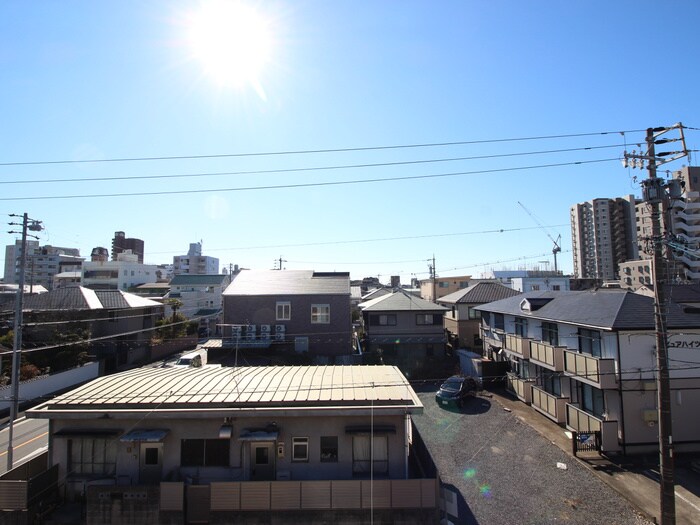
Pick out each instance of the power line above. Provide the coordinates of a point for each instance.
(306, 184)
(305, 169)
(316, 151)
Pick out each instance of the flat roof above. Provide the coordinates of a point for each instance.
(198, 390)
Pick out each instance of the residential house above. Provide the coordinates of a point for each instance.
(586, 360)
(117, 323)
(230, 445)
(404, 329)
(201, 297)
(462, 320)
(433, 289)
(302, 310)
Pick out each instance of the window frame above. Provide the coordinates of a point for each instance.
(320, 314)
(300, 441)
(421, 319)
(286, 311)
(87, 460)
(195, 446)
(328, 449)
(382, 320)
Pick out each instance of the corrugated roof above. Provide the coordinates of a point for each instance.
(198, 280)
(603, 308)
(289, 282)
(400, 301)
(247, 387)
(479, 293)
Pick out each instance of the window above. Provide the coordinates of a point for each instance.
(556, 287)
(464, 284)
(92, 456)
(205, 452)
(592, 400)
(589, 342)
(498, 322)
(382, 320)
(443, 284)
(151, 456)
(550, 333)
(300, 449)
(474, 314)
(428, 319)
(284, 311)
(535, 287)
(320, 313)
(329, 449)
(366, 452)
(521, 327)
(552, 384)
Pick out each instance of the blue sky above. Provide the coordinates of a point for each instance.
(118, 79)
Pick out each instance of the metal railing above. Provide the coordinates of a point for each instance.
(547, 355)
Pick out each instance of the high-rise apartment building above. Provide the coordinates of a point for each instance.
(194, 263)
(121, 243)
(685, 222)
(42, 263)
(603, 235)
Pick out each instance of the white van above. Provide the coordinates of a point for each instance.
(195, 359)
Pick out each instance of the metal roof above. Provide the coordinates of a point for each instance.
(289, 282)
(197, 390)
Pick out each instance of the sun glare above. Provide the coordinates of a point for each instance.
(232, 42)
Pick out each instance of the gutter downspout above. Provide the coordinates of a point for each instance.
(622, 398)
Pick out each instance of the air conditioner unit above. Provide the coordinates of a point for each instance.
(279, 336)
(264, 328)
(279, 328)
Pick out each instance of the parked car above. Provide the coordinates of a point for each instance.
(456, 389)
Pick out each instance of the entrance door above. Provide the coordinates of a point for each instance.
(262, 461)
(150, 463)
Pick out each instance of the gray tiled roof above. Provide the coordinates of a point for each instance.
(605, 309)
(289, 282)
(400, 301)
(479, 293)
(80, 298)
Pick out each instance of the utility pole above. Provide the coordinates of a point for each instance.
(654, 192)
(280, 261)
(431, 269)
(32, 225)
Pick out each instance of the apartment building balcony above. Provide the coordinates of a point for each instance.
(547, 355)
(492, 337)
(552, 406)
(581, 421)
(517, 345)
(596, 371)
(521, 388)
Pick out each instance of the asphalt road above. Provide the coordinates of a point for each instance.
(30, 437)
(504, 472)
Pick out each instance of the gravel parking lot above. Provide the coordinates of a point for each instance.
(504, 472)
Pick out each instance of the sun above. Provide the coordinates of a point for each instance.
(232, 42)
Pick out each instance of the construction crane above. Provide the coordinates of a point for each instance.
(556, 248)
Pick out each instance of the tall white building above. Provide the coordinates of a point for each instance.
(123, 274)
(194, 263)
(603, 235)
